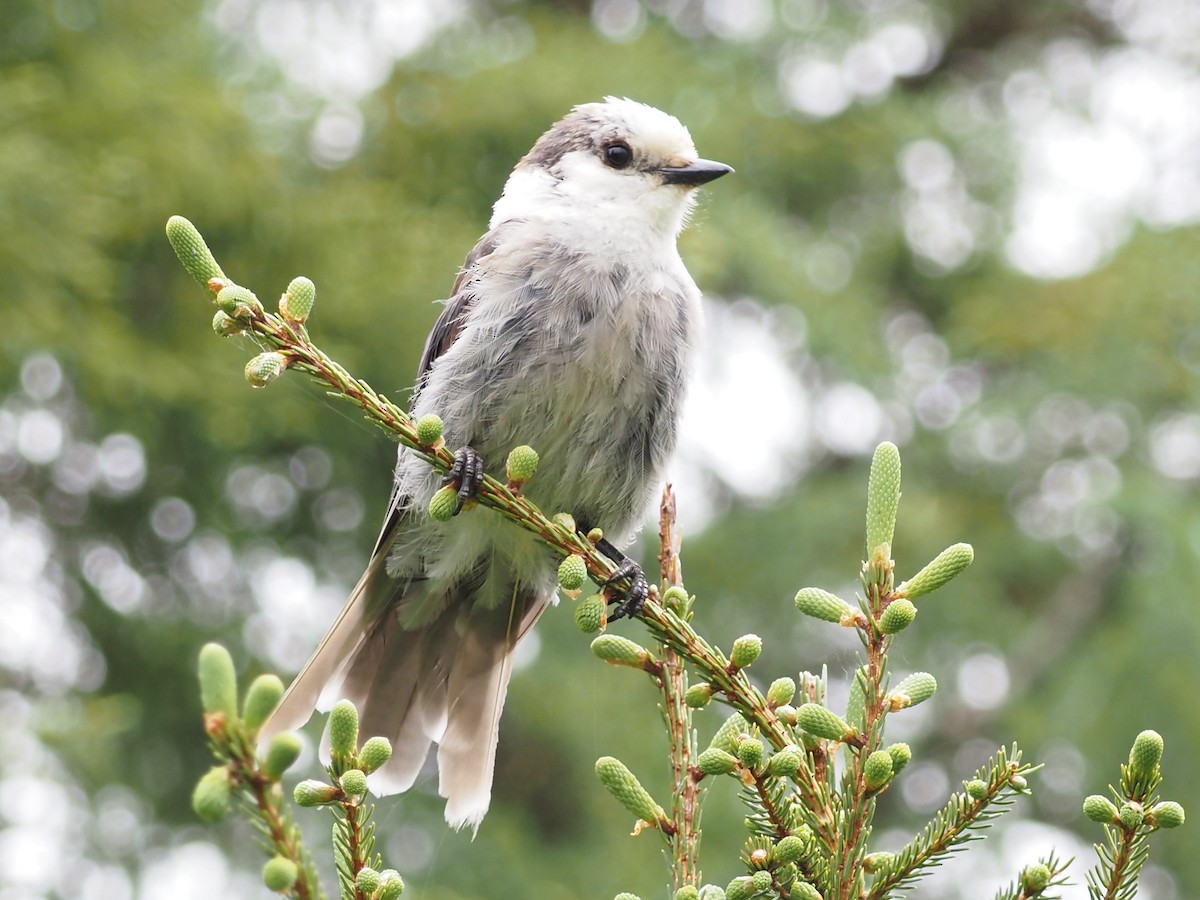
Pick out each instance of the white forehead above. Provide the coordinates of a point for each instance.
(656, 132)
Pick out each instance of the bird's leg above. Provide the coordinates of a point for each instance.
(635, 597)
(466, 475)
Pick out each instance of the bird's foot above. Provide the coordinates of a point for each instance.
(466, 475)
(634, 598)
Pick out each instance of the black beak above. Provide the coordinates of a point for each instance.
(701, 171)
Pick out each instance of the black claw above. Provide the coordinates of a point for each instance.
(635, 596)
(466, 474)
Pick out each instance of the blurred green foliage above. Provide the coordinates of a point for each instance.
(1070, 465)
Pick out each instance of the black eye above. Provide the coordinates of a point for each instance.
(618, 155)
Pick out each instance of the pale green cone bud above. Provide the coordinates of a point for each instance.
(620, 651)
(789, 850)
(367, 881)
(1131, 814)
(687, 892)
(712, 892)
(391, 885)
(727, 735)
(622, 784)
(236, 301)
(314, 793)
(572, 572)
(761, 882)
(750, 752)
(901, 755)
(976, 789)
(802, 890)
(343, 731)
(226, 325)
(591, 614)
(296, 304)
(374, 754)
(784, 764)
(741, 888)
(825, 606)
(282, 753)
(715, 761)
(210, 797)
(265, 368)
(786, 714)
(698, 695)
(429, 430)
(218, 681)
(625, 895)
(1036, 877)
(1146, 753)
(280, 873)
(354, 782)
(1100, 809)
(565, 521)
(261, 699)
(676, 599)
(781, 692)
(522, 463)
(947, 564)
(883, 496)
(878, 862)
(1167, 814)
(899, 614)
(916, 688)
(1018, 783)
(444, 504)
(189, 246)
(819, 721)
(877, 770)
(746, 650)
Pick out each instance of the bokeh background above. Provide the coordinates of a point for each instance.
(969, 226)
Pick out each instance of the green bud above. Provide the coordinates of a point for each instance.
(565, 521)
(901, 755)
(443, 504)
(712, 892)
(676, 599)
(226, 325)
(591, 614)
(314, 793)
(746, 650)
(282, 753)
(572, 572)
(877, 770)
(898, 616)
(622, 784)
(625, 895)
(210, 797)
(429, 430)
(1167, 814)
(366, 881)
(781, 691)
(236, 301)
(265, 368)
(883, 496)
(750, 752)
(916, 688)
(343, 731)
(741, 888)
(1036, 877)
(727, 735)
(1018, 783)
(522, 463)
(784, 764)
(218, 681)
(823, 605)
(687, 892)
(620, 651)
(354, 782)
(789, 850)
(1146, 753)
(280, 873)
(817, 720)
(715, 761)
(761, 881)
(296, 304)
(391, 885)
(189, 246)
(786, 714)
(802, 890)
(698, 695)
(261, 700)
(1131, 814)
(1100, 809)
(878, 862)
(976, 789)
(947, 564)
(374, 754)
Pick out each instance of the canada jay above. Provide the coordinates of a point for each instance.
(569, 328)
